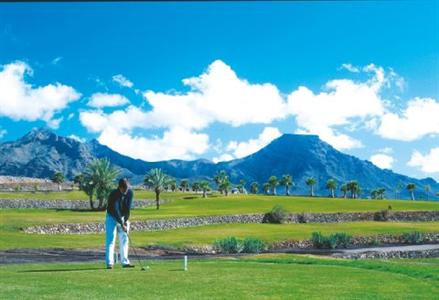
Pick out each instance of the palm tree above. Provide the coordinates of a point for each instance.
(266, 188)
(331, 185)
(254, 187)
(225, 186)
(311, 181)
(158, 181)
(411, 188)
(427, 189)
(204, 186)
(220, 178)
(195, 186)
(184, 185)
(286, 181)
(354, 188)
(78, 179)
(58, 178)
(398, 189)
(99, 179)
(273, 181)
(241, 186)
(344, 189)
(172, 184)
(381, 193)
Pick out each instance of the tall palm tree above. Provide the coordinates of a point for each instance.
(58, 178)
(241, 186)
(427, 189)
(311, 181)
(354, 188)
(399, 187)
(100, 177)
(220, 178)
(411, 188)
(331, 185)
(266, 188)
(344, 189)
(172, 184)
(204, 186)
(78, 179)
(273, 181)
(225, 186)
(195, 186)
(158, 181)
(254, 187)
(184, 184)
(286, 181)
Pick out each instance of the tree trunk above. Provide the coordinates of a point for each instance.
(413, 195)
(92, 206)
(101, 203)
(312, 191)
(157, 199)
(332, 193)
(204, 194)
(274, 191)
(287, 190)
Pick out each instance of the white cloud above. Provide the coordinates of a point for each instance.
(176, 143)
(222, 157)
(419, 119)
(386, 150)
(122, 81)
(2, 132)
(77, 138)
(56, 60)
(350, 68)
(342, 104)
(19, 100)
(428, 163)
(382, 161)
(242, 149)
(100, 100)
(217, 95)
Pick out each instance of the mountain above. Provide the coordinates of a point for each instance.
(41, 153)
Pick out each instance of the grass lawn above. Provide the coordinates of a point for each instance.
(258, 277)
(205, 235)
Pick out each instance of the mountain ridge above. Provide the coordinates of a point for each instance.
(40, 153)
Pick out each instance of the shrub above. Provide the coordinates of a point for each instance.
(277, 215)
(381, 216)
(414, 237)
(253, 245)
(228, 245)
(336, 240)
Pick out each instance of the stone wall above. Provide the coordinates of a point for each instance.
(391, 254)
(59, 204)
(155, 225)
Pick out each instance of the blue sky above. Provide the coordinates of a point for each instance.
(220, 80)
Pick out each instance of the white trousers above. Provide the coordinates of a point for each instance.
(111, 226)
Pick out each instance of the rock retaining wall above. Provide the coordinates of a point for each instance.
(391, 254)
(155, 225)
(58, 204)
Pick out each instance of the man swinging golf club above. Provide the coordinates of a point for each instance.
(118, 213)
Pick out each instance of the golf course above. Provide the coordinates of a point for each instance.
(266, 275)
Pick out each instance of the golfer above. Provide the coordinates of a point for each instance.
(118, 213)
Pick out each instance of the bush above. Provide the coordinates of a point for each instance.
(277, 215)
(253, 245)
(228, 245)
(414, 237)
(381, 216)
(336, 240)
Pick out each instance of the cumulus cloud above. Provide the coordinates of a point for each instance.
(382, 161)
(122, 81)
(342, 103)
(242, 149)
(100, 100)
(77, 138)
(217, 95)
(428, 163)
(19, 100)
(350, 68)
(223, 157)
(419, 119)
(175, 143)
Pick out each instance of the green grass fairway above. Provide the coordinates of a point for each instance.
(205, 235)
(261, 277)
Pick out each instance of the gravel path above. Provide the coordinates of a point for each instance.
(20, 256)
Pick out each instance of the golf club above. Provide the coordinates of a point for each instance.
(135, 253)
